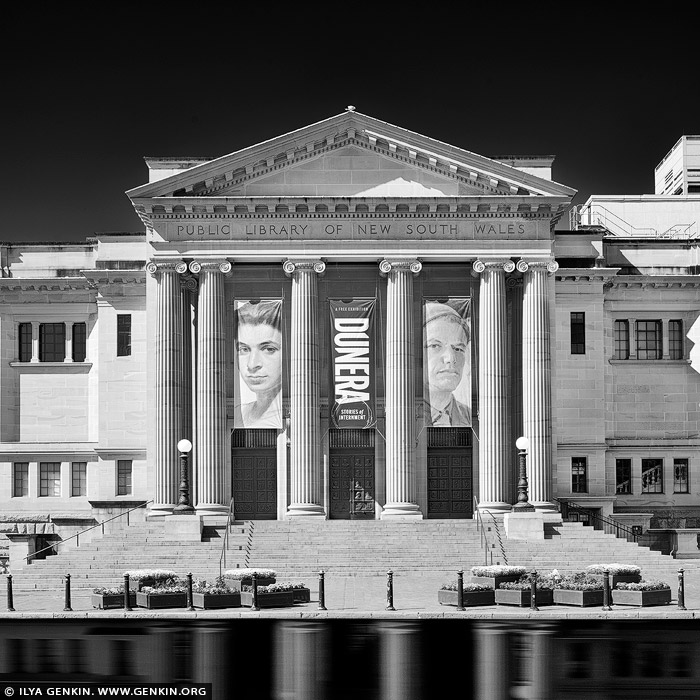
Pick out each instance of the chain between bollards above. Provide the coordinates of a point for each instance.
(681, 591)
(190, 604)
(321, 590)
(606, 590)
(10, 601)
(390, 590)
(127, 593)
(533, 590)
(460, 590)
(254, 604)
(67, 606)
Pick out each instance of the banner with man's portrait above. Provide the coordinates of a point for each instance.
(353, 369)
(258, 363)
(447, 385)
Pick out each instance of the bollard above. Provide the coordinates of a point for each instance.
(255, 605)
(606, 590)
(460, 590)
(10, 601)
(190, 604)
(533, 590)
(681, 591)
(390, 590)
(67, 595)
(127, 594)
(321, 590)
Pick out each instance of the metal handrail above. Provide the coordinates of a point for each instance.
(87, 529)
(500, 539)
(609, 526)
(484, 538)
(222, 558)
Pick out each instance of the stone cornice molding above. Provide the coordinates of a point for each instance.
(46, 284)
(292, 265)
(103, 278)
(388, 265)
(660, 282)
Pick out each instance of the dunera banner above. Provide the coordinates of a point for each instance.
(258, 363)
(447, 386)
(353, 379)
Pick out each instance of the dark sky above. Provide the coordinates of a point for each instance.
(83, 108)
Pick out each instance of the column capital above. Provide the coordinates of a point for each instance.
(480, 265)
(155, 266)
(292, 265)
(407, 264)
(210, 265)
(548, 264)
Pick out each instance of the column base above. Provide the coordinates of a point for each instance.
(401, 511)
(305, 510)
(211, 509)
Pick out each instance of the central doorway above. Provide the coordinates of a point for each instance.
(254, 464)
(450, 473)
(352, 474)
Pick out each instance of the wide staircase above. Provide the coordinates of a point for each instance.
(302, 548)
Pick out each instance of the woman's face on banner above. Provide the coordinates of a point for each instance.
(446, 346)
(259, 356)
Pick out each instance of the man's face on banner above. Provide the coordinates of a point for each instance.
(446, 348)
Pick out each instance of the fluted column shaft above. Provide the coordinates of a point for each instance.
(400, 389)
(210, 435)
(493, 385)
(306, 477)
(537, 389)
(168, 384)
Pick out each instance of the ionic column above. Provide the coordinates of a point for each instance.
(515, 425)
(399, 389)
(537, 386)
(68, 355)
(306, 478)
(213, 492)
(188, 286)
(168, 384)
(493, 385)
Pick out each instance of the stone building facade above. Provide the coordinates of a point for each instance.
(116, 348)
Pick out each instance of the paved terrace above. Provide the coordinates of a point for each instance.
(347, 597)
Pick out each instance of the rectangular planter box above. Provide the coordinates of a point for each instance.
(642, 598)
(110, 601)
(213, 601)
(469, 598)
(279, 599)
(521, 598)
(302, 595)
(583, 599)
(154, 601)
(237, 584)
(494, 581)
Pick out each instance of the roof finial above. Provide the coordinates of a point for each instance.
(350, 108)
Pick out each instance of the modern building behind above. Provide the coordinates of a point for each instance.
(582, 339)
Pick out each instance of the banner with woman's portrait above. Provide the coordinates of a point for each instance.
(447, 386)
(353, 374)
(258, 363)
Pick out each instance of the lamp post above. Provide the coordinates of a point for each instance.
(183, 506)
(522, 506)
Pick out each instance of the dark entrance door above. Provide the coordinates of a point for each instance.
(449, 473)
(352, 474)
(254, 463)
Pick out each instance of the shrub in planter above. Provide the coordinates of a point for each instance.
(496, 574)
(110, 598)
(619, 573)
(166, 596)
(276, 595)
(519, 592)
(642, 593)
(214, 595)
(151, 577)
(472, 594)
(237, 578)
(579, 589)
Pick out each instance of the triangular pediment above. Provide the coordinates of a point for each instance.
(350, 155)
